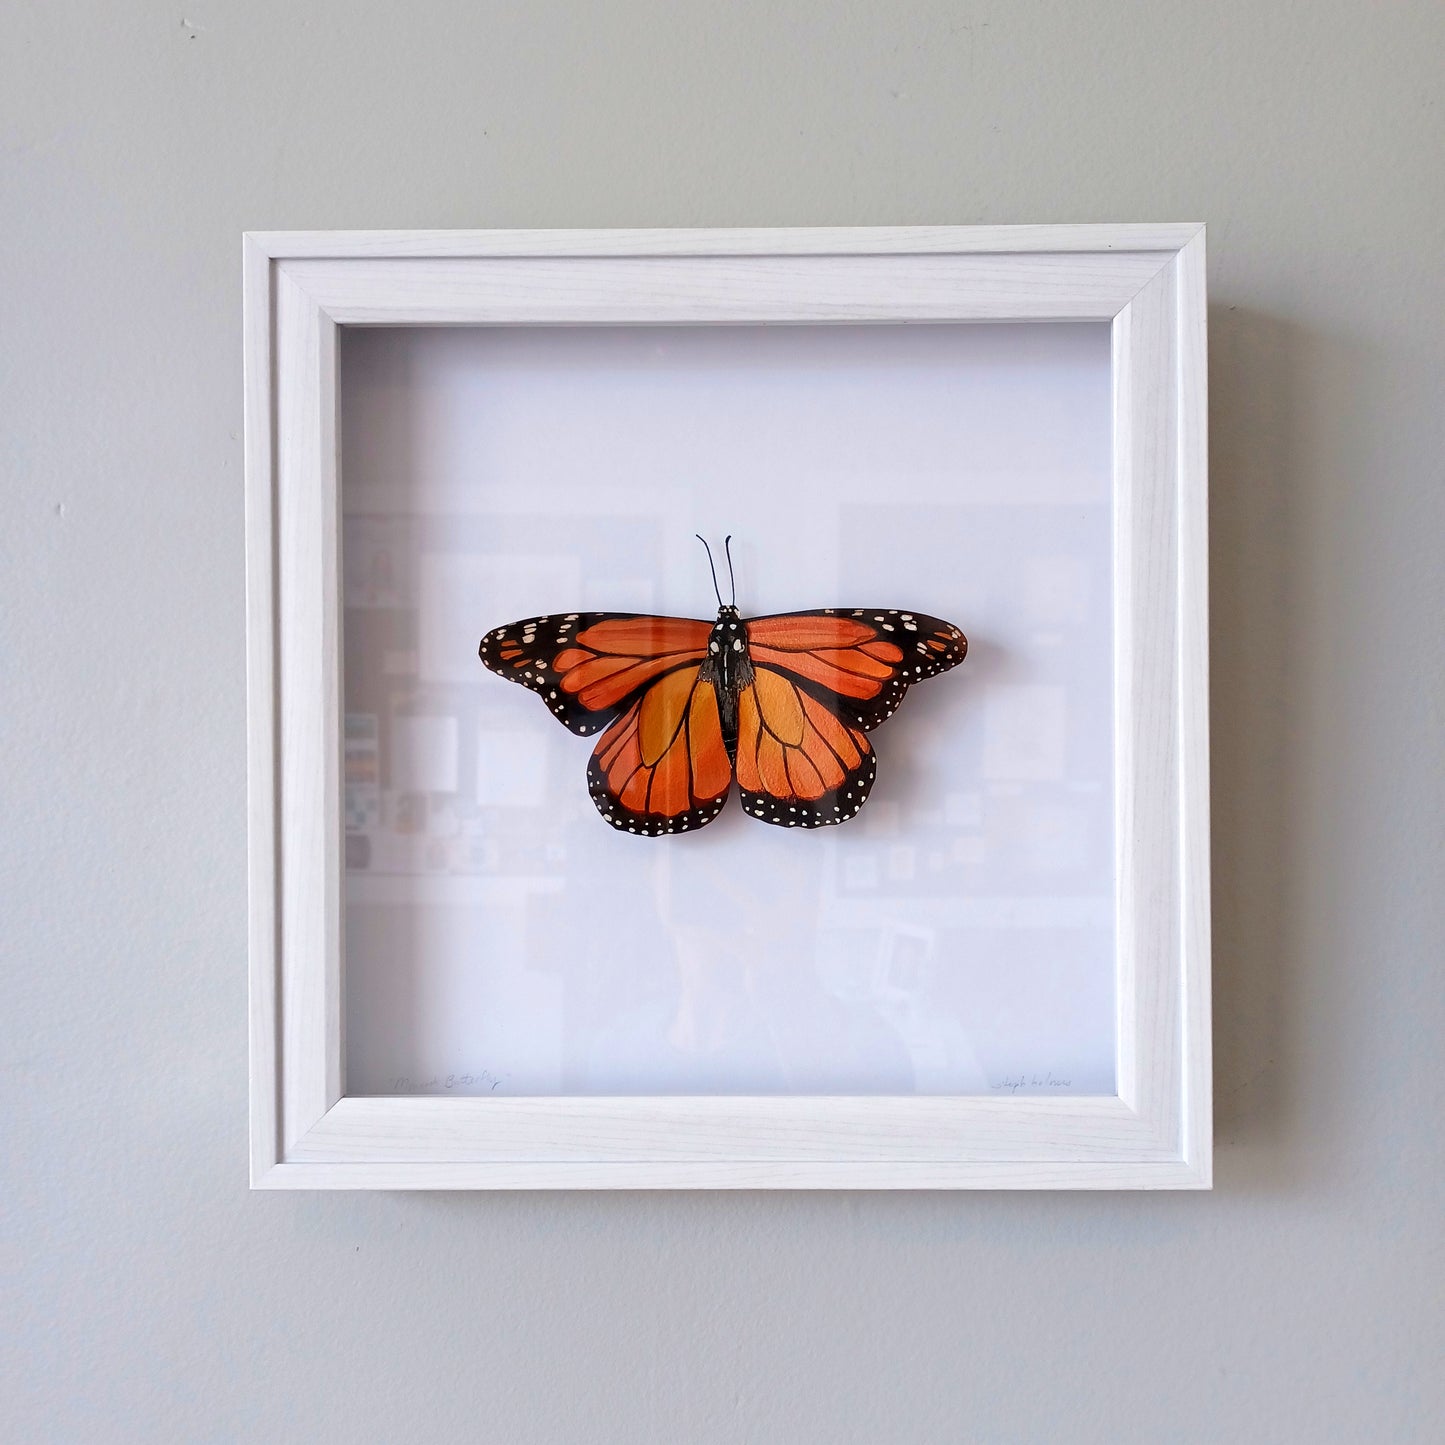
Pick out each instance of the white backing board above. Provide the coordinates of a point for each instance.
(957, 937)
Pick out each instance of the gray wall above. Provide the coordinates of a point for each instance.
(151, 1296)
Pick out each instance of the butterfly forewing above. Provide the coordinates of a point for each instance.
(590, 666)
(859, 661)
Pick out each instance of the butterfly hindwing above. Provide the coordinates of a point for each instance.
(858, 661)
(662, 765)
(589, 666)
(799, 765)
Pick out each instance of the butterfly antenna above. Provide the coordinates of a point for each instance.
(732, 581)
(710, 567)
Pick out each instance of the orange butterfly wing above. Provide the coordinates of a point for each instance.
(865, 658)
(799, 765)
(822, 681)
(590, 666)
(662, 766)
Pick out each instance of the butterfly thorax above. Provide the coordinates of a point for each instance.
(728, 668)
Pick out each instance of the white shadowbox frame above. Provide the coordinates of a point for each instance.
(1148, 283)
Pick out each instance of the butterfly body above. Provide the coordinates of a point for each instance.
(728, 667)
(782, 705)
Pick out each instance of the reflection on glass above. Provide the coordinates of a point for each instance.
(956, 936)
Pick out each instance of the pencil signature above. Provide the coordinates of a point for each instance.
(442, 1083)
(1012, 1083)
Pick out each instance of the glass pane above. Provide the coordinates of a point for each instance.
(957, 936)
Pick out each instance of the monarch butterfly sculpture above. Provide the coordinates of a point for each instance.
(783, 703)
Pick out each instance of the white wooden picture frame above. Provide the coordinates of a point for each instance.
(1147, 282)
